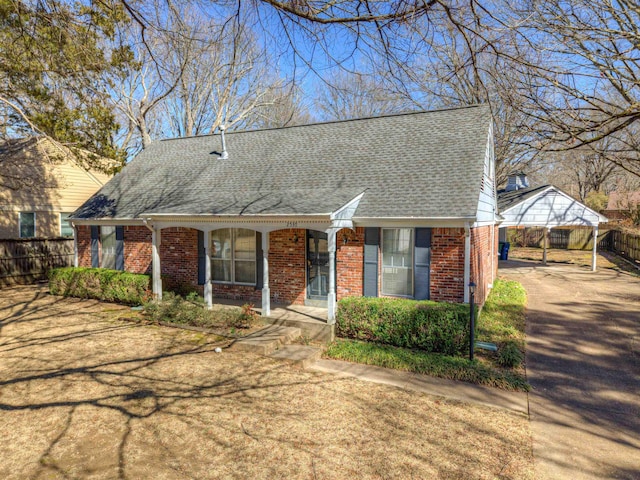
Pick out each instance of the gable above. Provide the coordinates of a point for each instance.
(549, 207)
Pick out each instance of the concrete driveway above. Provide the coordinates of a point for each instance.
(583, 361)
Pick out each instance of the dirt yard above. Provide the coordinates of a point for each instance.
(84, 395)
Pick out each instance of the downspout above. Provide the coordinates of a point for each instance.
(467, 260)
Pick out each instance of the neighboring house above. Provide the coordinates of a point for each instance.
(622, 205)
(40, 186)
(399, 206)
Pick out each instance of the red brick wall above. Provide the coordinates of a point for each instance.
(349, 262)
(179, 258)
(84, 245)
(287, 267)
(447, 264)
(482, 273)
(137, 249)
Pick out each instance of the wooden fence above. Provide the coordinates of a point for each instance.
(29, 260)
(624, 244)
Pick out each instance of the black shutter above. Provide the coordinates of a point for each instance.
(120, 248)
(202, 254)
(370, 277)
(259, 260)
(422, 264)
(95, 239)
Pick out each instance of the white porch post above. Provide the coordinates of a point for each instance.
(75, 245)
(266, 294)
(156, 240)
(331, 294)
(545, 241)
(595, 248)
(208, 288)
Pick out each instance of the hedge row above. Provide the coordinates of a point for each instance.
(425, 325)
(99, 283)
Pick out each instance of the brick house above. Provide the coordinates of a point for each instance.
(400, 205)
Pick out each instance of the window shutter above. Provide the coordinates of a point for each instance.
(120, 248)
(259, 261)
(95, 239)
(370, 276)
(202, 254)
(422, 270)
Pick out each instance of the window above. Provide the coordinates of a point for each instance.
(108, 241)
(233, 255)
(27, 224)
(66, 230)
(397, 262)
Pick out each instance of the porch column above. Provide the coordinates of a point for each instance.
(208, 288)
(266, 293)
(75, 245)
(545, 238)
(156, 240)
(595, 248)
(331, 294)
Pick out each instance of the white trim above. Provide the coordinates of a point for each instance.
(331, 294)
(413, 222)
(125, 222)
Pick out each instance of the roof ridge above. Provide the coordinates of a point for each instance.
(329, 122)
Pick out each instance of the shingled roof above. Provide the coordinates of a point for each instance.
(510, 199)
(424, 165)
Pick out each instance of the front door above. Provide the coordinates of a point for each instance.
(317, 265)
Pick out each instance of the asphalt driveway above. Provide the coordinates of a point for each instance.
(583, 361)
(86, 395)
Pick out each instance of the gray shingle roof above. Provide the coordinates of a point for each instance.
(510, 199)
(426, 164)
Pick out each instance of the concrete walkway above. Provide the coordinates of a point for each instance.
(583, 361)
(465, 392)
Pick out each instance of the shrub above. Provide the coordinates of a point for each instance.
(99, 283)
(425, 325)
(509, 355)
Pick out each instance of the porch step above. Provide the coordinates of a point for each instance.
(301, 355)
(267, 340)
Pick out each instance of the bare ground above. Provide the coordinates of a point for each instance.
(84, 395)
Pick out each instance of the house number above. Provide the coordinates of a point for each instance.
(292, 224)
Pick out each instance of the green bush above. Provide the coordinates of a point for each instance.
(509, 355)
(99, 283)
(191, 311)
(425, 325)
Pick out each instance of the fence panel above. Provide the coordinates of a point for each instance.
(566, 238)
(29, 260)
(625, 244)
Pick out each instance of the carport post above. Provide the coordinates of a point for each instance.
(545, 239)
(595, 248)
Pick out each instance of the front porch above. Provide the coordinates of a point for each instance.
(312, 321)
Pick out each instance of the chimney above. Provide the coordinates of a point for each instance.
(517, 181)
(224, 155)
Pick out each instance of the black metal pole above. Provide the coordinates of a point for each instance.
(472, 321)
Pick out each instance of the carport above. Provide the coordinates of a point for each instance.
(544, 206)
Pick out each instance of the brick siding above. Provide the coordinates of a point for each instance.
(287, 266)
(447, 264)
(83, 233)
(482, 273)
(349, 262)
(137, 249)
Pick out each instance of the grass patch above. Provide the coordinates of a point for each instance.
(436, 365)
(502, 321)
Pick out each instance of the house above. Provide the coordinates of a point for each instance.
(522, 205)
(41, 184)
(400, 205)
(623, 204)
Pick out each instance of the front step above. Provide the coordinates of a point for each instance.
(267, 340)
(301, 355)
